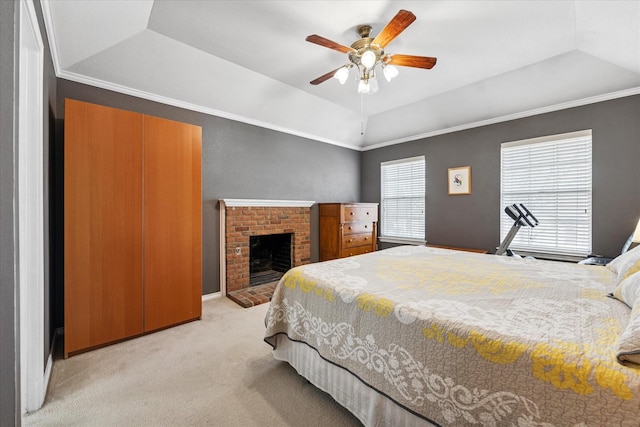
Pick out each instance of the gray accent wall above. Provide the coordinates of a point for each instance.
(9, 360)
(241, 161)
(473, 220)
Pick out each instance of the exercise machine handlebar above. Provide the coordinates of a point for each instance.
(522, 217)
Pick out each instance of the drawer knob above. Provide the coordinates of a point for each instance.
(366, 226)
(367, 213)
(351, 213)
(349, 227)
(366, 238)
(350, 240)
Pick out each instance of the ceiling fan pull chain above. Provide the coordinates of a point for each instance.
(362, 123)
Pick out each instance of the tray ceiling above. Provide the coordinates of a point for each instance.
(249, 61)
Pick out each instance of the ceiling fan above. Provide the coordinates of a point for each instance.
(365, 54)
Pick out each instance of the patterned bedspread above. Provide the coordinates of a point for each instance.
(461, 338)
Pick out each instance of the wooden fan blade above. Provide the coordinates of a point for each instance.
(413, 61)
(314, 38)
(324, 77)
(398, 24)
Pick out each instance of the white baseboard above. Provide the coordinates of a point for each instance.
(213, 295)
(47, 370)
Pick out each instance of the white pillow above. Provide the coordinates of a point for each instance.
(627, 258)
(628, 291)
(629, 342)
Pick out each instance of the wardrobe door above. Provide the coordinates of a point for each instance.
(172, 222)
(102, 225)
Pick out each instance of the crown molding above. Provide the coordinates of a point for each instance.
(239, 118)
(529, 113)
(79, 78)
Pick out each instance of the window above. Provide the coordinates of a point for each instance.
(551, 176)
(403, 193)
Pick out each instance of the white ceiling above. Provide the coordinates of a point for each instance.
(249, 61)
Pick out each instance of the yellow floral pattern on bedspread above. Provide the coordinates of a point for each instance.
(450, 279)
(551, 363)
(464, 338)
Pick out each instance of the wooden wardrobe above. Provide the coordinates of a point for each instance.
(132, 224)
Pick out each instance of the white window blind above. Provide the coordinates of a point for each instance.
(551, 176)
(403, 194)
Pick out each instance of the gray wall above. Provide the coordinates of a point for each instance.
(9, 386)
(473, 220)
(241, 161)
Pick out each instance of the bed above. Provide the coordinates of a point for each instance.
(415, 336)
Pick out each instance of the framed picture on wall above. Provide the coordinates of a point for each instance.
(459, 180)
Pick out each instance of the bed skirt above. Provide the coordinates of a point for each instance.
(370, 407)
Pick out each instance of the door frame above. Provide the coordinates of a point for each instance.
(30, 209)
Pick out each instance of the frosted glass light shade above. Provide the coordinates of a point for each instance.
(368, 59)
(363, 86)
(390, 72)
(342, 75)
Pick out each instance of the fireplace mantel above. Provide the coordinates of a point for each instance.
(266, 203)
(242, 218)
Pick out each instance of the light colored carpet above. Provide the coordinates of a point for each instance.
(215, 371)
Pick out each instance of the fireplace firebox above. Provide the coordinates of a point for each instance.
(269, 257)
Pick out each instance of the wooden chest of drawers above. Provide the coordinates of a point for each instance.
(347, 229)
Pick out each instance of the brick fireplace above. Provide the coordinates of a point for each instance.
(242, 218)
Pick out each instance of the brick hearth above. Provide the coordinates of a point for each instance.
(248, 297)
(239, 222)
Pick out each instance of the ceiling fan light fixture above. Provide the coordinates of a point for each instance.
(367, 53)
(368, 59)
(389, 72)
(342, 74)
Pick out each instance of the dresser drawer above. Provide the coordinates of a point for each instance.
(356, 251)
(358, 213)
(358, 228)
(353, 240)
